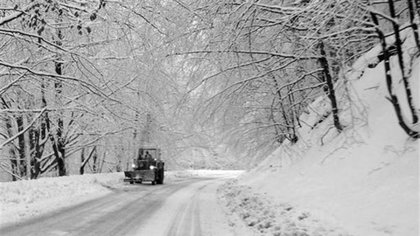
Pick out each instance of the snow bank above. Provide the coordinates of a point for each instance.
(364, 180)
(25, 199)
(267, 217)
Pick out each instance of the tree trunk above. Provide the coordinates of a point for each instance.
(12, 150)
(35, 140)
(27, 144)
(95, 161)
(60, 142)
(39, 135)
(85, 161)
(8, 124)
(398, 44)
(393, 97)
(414, 26)
(82, 161)
(21, 147)
(40, 138)
(331, 93)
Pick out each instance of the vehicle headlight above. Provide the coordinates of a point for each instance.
(152, 167)
(133, 165)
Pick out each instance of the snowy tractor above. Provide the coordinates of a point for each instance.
(146, 167)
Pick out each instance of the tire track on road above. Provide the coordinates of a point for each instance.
(187, 220)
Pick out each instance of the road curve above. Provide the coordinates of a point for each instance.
(187, 207)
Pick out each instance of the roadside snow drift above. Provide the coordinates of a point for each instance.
(362, 181)
(29, 198)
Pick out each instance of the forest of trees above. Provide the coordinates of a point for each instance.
(84, 83)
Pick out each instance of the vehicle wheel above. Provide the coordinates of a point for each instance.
(153, 182)
(131, 182)
(161, 176)
(160, 180)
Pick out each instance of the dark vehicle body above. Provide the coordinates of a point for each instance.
(146, 167)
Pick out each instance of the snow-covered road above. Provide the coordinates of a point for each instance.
(180, 207)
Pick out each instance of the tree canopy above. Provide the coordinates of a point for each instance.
(85, 83)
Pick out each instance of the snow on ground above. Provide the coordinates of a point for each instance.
(23, 200)
(207, 173)
(363, 181)
(263, 216)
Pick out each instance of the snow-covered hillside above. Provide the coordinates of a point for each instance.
(363, 181)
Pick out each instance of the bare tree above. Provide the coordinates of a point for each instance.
(386, 57)
(262, 60)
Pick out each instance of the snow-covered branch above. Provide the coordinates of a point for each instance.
(22, 131)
